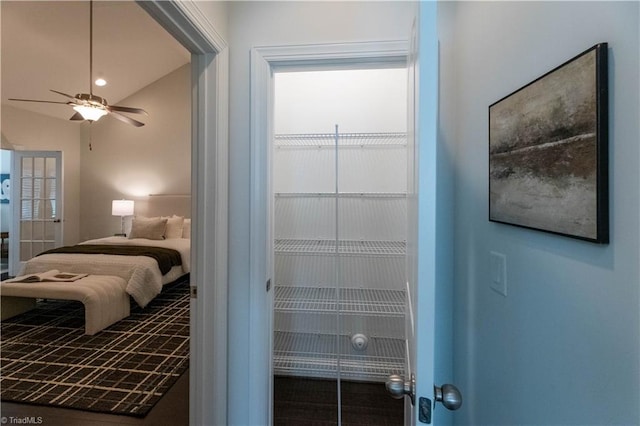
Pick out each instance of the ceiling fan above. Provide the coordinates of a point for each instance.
(88, 106)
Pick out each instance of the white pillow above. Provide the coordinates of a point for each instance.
(186, 228)
(174, 226)
(152, 228)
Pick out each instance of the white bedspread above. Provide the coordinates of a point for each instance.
(142, 274)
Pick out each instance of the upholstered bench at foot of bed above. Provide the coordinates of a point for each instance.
(104, 297)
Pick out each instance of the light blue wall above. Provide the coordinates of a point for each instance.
(562, 347)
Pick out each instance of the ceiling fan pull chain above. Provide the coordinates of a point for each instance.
(91, 48)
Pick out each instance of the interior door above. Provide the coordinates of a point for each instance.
(412, 222)
(429, 357)
(36, 197)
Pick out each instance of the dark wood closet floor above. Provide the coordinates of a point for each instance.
(171, 410)
(298, 401)
(312, 402)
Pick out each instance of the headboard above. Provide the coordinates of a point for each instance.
(169, 204)
(163, 205)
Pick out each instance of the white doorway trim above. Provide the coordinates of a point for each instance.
(209, 206)
(264, 62)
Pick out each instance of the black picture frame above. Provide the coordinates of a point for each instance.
(548, 151)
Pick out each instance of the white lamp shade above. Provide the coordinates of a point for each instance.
(90, 113)
(122, 207)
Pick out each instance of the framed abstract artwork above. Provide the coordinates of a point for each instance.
(548, 151)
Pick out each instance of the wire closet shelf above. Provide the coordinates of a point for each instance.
(315, 355)
(361, 301)
(317, 311)
(344, 139)
(345, 247)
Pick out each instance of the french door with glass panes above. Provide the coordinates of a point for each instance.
(36, 198)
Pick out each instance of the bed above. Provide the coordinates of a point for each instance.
(142, 274)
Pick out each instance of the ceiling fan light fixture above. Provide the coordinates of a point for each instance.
(91, 113)
(88, 106)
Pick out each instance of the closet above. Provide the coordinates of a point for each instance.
(339, 209)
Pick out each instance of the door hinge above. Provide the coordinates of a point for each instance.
(268, 285)
(193, 292)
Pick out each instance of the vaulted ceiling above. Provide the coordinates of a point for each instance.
(45, 45)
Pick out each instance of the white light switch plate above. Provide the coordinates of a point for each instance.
(498, 272)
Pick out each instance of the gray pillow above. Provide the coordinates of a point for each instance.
(149, 228)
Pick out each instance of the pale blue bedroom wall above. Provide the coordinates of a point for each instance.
(563, 346)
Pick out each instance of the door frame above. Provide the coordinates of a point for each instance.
(265, 61)
(209, 203)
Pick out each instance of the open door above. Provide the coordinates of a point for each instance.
(36, 196)
(427, 349)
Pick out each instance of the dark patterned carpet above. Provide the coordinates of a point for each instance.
(125, 369)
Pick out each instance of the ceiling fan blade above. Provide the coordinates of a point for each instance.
(63, 94)
(126, 119)
(77, 117)
(127, 109)
(35, 100)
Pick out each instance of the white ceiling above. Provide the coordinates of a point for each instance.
(45, 45)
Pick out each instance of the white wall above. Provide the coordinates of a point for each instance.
(36, 132)
(563, 346)
(371, 100)
(253, 24)
(217, 12)
(132, 162)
